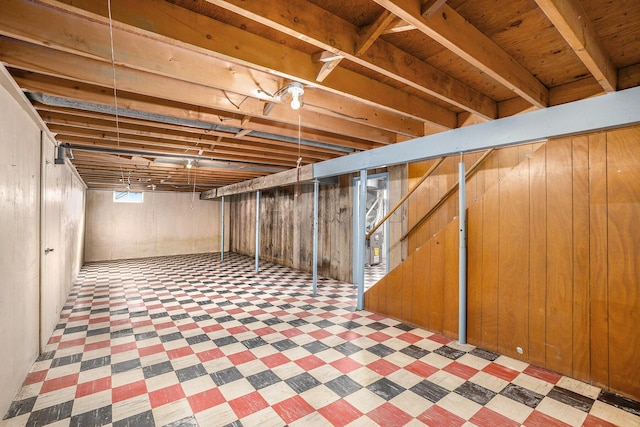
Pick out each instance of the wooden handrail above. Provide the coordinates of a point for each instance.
(449, 192)
(405, 197)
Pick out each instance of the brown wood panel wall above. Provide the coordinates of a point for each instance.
(286, 227)
(554, 250)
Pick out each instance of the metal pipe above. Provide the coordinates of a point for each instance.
(222, 230)
(316, 185)
(360, 242)
(258, 231)
(462, 278)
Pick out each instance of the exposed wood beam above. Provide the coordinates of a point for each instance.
(333, 34)
(65, 65)
(329, 62)
(186, 29)
(288, 177)
(99, 95)
(571, 20)
(456, 34)
(371, 33)
(431, 6)
(399, 26)
(242, 133)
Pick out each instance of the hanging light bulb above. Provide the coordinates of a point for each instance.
(296, 90)
(189, 165)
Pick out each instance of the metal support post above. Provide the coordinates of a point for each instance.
(222, 230)
(359, 235)
(257, 231)
(316, 186)
(462, 279)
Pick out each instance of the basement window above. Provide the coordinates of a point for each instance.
(127, 196)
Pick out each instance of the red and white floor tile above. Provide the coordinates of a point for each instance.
(192, 341)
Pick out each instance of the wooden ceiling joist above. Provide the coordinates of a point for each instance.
(571, 20)
(455, 33)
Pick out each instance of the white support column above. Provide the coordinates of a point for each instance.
(257, 231)
(316, 186)
(359, 239)
(462, 278)
(222, 230)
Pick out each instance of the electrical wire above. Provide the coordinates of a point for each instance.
(115, 88)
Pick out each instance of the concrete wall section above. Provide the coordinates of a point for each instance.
(164, 224)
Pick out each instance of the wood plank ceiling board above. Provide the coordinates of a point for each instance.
(210, 77)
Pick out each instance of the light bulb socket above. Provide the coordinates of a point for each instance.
(296, 90)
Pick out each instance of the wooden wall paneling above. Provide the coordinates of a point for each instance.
(598, 260)
(474, 273)
(343, 250)
(623, 181)
(451, 283)
(436, 283)
(490, 272)
(393, 294)
(434, 190)
(295, 216)
(324, 238)
(408, 287)
(417, 199)
(537, 256)
(508, 158)
(446, 179)
(559, 257)
(372, 295)
(472, 182)
(421, 269)
(513, 265)
(580, 357)
(334, 229)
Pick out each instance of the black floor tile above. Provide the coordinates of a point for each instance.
(347, 348)
(184, 422)
(386, 389)
(415, 351)
(157, 369)
(221, 342)
(125, 366)
(145, 335)
(377, 326)
(571, 398)
(324, 323)
(198, 339)
(484, 354)
(95, 363)
(449, 352)
(315, 347)
(226, 376)
(620, 402)
(247, 320)
(302, 382)
(144, 419)
(404, 327)
(381, 350)
(263, 379)
(283, 345)
(96, 418)
(475, 392)
(19, 407)
(100, 331)
(171, 337)
(66, 360)
(343, 386)
(121, 333)
(75, 329)
(50, 415)
(522, 395)
(429, 390)
(254, 342)
(191, 372)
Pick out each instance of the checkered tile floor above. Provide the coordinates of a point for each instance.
(191, 341)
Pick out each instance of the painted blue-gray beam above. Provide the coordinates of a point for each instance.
(316, 185)
(258, 231)
(603, 112)
(462, 269)
(359, 239)
(222, 230)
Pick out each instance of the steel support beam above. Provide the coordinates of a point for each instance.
(608, 111)
(316, 185)
(359, 239)
(258, 231)
(462, 269)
